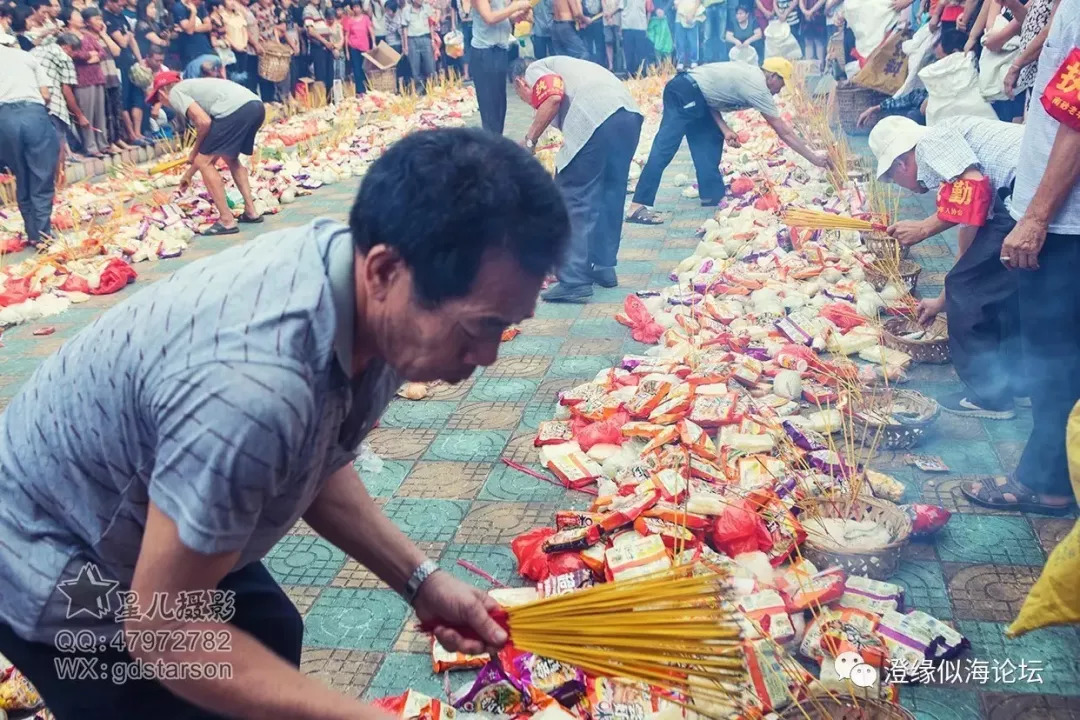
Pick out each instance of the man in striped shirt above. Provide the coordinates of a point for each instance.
(963, 158)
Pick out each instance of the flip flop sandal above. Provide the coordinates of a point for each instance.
(1003, 493)
(219, 229)
(644, 216)
(246, 219)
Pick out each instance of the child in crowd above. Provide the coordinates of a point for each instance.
(689, 17)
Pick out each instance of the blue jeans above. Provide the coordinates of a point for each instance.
(30, 147)
(594, 188)
(359, 78)
(685, 114)
(686, 44)
(716, 17)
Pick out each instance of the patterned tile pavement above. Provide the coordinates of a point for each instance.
(442, 482)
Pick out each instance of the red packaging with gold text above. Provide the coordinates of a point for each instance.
(965, 201)
(1062, 95)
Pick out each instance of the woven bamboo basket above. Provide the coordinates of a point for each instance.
(380, 80)
(851, 101)
(879, 277)
(877, 563)
(884, 245)
(836, 707)
(932, 347)
(899, 418)
(274, 61)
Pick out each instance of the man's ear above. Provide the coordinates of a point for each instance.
(380, 266)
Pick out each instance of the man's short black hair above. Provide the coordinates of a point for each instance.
(442, 199)
(155, 49)
(952, 41)
(518, 67)
(90, 12)
(69, 39)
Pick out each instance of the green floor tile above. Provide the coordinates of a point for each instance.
(417, 414)
(990, 540)
(404, 671)
(513, 390)
(972, 457)
(1051, 655)
(581, 365)
(355, 619)
(924, 587)
(536, 413)
(496, 560)
(389, 479)
(431, 519)
(559, 310)
(304, 560)
(598, 328)
(532, 345)
(510, 485)
(468, 445)
(941, 703)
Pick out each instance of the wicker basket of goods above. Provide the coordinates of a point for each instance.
(884, 246)
(837, 707)
(924, 344)
(380, 67)
(274, 61)
(896, 419)
(851, 101)
(862, 536)
(882, 272)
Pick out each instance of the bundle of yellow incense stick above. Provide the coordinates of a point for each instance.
(820, 220)
(167, 165)
(669, 629)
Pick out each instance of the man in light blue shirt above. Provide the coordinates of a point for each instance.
(149, 464)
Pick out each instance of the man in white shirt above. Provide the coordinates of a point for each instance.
(28, 142)
(416, 39)
(693, 103)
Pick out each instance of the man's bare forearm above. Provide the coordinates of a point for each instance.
(543, 117)
(345, 514)
(1062, 171)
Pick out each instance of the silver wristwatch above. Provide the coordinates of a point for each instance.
(422, 572)
(530, 143)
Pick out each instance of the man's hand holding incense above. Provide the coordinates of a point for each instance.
(930, 307)
(448, 604)
(908, 232)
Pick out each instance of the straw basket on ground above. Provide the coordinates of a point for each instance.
(882, 272)
(878, 563)
(884, 246)
(838, 707)
(923, 344)
(274, 61)
(897, 418)
(381, 80)
(851, 101)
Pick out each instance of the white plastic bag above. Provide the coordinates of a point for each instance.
(953, 85)
(779, 42)
(745, 54)
(870, 21)
(993, 66)
(919, 49)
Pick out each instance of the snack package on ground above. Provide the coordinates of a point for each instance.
(917, 636)
(493, 693)
(775, 677)
(872, 596)
(819, 589)
(443, 660)
(640, 556)
(565, 583)
(550, 677)
(536, 564)
(926, 519)
(885, 486)
(767, 611)
(411, 705)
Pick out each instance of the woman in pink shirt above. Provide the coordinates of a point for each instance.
(359, 38)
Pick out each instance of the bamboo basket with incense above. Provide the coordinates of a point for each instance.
(902, 273)
(924, 344)
(835, 708)
(878, 563)
(670, 629)
(901, 417)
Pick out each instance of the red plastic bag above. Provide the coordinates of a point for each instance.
(842, 316)
(75, 283)
(739, 529)
(740, 186)
(642, 326)
(537, 565)
(13, 244)
(15, 291)
(114, 277)
(608, 432)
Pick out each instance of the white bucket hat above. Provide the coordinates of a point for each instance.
(892, 137)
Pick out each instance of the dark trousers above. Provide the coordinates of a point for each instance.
(262, 609)
(638, 50)
(488, 68)
(983, 311)
(685, 114)
(1049, 318)
(248, 64)
(323, 60)
(716, 19)
(30, 147)
(359, 77)
(594, 188)
(593, 37)
(566, 41)
(541, 46)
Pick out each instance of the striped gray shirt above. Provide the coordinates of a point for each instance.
(220, 393)
(593, 94)
(951, 147)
